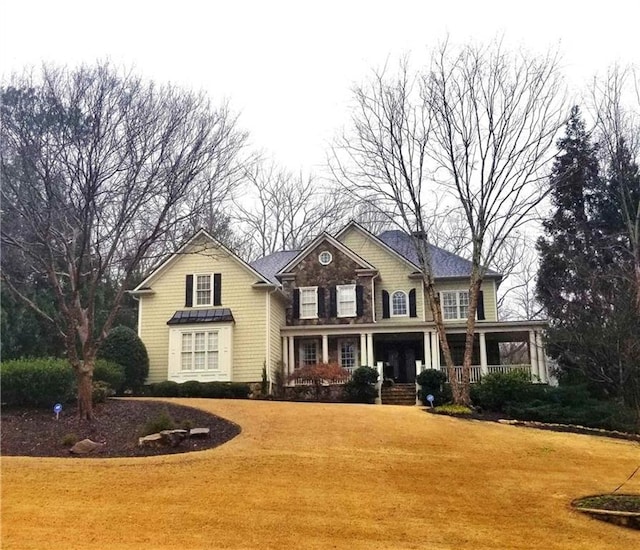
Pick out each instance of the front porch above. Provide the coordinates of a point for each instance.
(400, 354)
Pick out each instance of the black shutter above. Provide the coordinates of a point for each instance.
(188, 301)
(321, 308)
(481, 306)
(412, 303)
(359, 300)
(385, 304)
(217, 289)
(333, 302)
(295, 309)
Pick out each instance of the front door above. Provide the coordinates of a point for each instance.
(400, 363)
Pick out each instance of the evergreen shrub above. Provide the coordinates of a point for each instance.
(433, 382)
(110, 373)
(361, 388)
(41, 382)
(123, 346)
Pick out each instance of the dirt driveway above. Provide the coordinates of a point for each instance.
(304, 475)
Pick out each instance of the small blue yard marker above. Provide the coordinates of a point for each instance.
(430, 400)
(57, 408)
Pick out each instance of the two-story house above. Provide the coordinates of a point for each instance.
(353, 298)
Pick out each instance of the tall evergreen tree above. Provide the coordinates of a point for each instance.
(583, 280)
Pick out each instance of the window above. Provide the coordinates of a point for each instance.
(309, 302)
(199, 351)
(308, 352)
(399, 304)
(204, 290)
(455, 304)
(346, 299)
(348, 354)
(325, 257)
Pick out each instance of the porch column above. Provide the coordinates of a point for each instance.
(292, 355)
(285, 355)
(435, 351)
(370, 350)
(427, 349)
(483, 354)
(363, 350)
(533, 356)
(325, 348)
(542, 360)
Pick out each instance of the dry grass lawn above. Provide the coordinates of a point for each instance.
(327, 476)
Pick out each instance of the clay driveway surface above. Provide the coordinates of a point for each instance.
(306, 475)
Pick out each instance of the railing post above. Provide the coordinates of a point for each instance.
(380, 367)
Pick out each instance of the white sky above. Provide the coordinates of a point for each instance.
(288, 67)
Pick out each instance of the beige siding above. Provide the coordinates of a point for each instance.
(393, 273)
(278, 320)
(246, 303)
(489, 294)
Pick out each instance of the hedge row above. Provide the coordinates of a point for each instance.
(42, 382)
(193, 388)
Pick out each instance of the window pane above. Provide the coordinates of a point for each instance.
(203, 290)
(308, 302)
(213, 341)
(309, 353)
(399, 303)
(463, 298)
(198, 360)
(346, 300)
(348, 355)
(449, 305)
(199, 341)
(186, 342)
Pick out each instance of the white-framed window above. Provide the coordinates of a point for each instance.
(309, 302)
(399, 304)
(346, 300)
(348, 354)
(325, 257)
(203, 290)
(455, 304)
(199, 351)
(308, 352)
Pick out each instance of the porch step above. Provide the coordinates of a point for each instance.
(399, 394)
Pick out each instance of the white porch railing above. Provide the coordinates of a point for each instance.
(475, 374)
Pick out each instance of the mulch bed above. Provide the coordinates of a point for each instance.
(117, 425)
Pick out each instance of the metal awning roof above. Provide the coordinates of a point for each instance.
(189, 316)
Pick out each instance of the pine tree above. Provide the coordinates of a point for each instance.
(583, 279)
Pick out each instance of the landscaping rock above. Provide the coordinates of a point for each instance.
(173, 438)
(152, 440)
(84, 447)
(199, 432)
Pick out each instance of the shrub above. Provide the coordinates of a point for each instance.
(37, 382)
(433, 382)
(497, 389)
(111, 373)
(225, 390)
(163, 421)
(168, 388)
(123, 346)
(190, 388)
(320, 374)
(361, 387)
(453, 409)
(101, 391)
(69, 440)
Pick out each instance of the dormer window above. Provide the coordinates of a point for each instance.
(325, 257)
(399, 304)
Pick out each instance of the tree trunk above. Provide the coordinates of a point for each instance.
(465, 391)
(84, 377)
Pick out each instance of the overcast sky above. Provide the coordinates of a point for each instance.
(288, 67)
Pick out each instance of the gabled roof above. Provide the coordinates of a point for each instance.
(444, 263)
(146, 284)
(336, 243)
(272, 264)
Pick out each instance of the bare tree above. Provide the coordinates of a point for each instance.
(280, 210)
(98, 169)
(479, 126)
(517, 297)
(616, 107)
